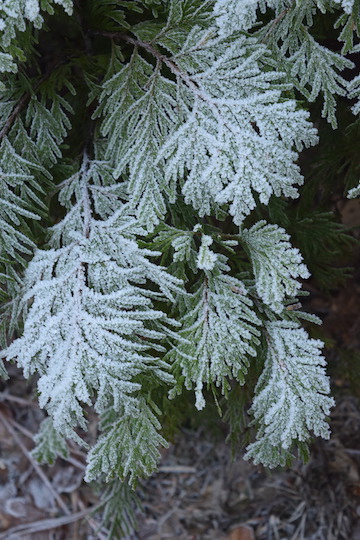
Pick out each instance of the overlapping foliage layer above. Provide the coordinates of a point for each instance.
(140, 145)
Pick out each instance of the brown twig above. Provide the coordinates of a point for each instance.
(45, 524)
(5, 396)
(174, 68)
(12, 117)
(91, 521)
(23, 101)
(177, 469)
(274, 23)
(37, 468)
(161, 58)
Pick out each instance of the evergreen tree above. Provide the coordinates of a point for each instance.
(149, 150)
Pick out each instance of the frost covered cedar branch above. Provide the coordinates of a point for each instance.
(23, 101)
(171, 156)
(161, 58)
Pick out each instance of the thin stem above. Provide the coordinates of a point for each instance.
(206, 300)
(47, 524)
(6, 396)
(86, 198)
(14, 114)
(274, 23)
(174, 68)
(23, 102)
(37, 468)
(161, 58)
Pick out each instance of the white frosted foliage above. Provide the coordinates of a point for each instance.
(347, 5)
(32, 9)
(235, 15)
(230, 141)
(49, 443)
(219, 333)
(291, 398)
(312, 68)
(91, 322)
(138, 452)
(206, 259)
(182, 246)
(17, 15)
(83, 336)
(222, 120)
(276, 264)
(193, 131)
(26, 153)
(354, 192)
(136, 126)
(354, 88)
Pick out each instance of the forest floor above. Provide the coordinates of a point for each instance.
(200, 492)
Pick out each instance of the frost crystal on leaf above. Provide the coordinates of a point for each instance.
(235, 15)
(182, 246)
(347, 5)
(49, 444)
(32, 9)
(219, 333)
(189, 125)
(138, 453)
(28, 148)
(291, 398)
(91, 322)
(219, 120)
(354, 90)
(276, 264)
(206, 258)
(354, 192)
(309, 66)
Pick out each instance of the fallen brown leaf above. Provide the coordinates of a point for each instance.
(243, 532)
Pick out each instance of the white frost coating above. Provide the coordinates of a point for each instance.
(219, 333)
(91, 322)
(66, 4)
(354, 90)
(45, 131)
(206, 259)
(233, 15)
(221, 125)
(347, 5)
(312, 68)
(26, 150)
(14, 16)
(206, 117)
(276, 264)
(291, 398)
(354, 192)
(129, 446)
(182, 247)
(49, 443)
(32, 9)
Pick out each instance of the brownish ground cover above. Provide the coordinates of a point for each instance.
(198, 493)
